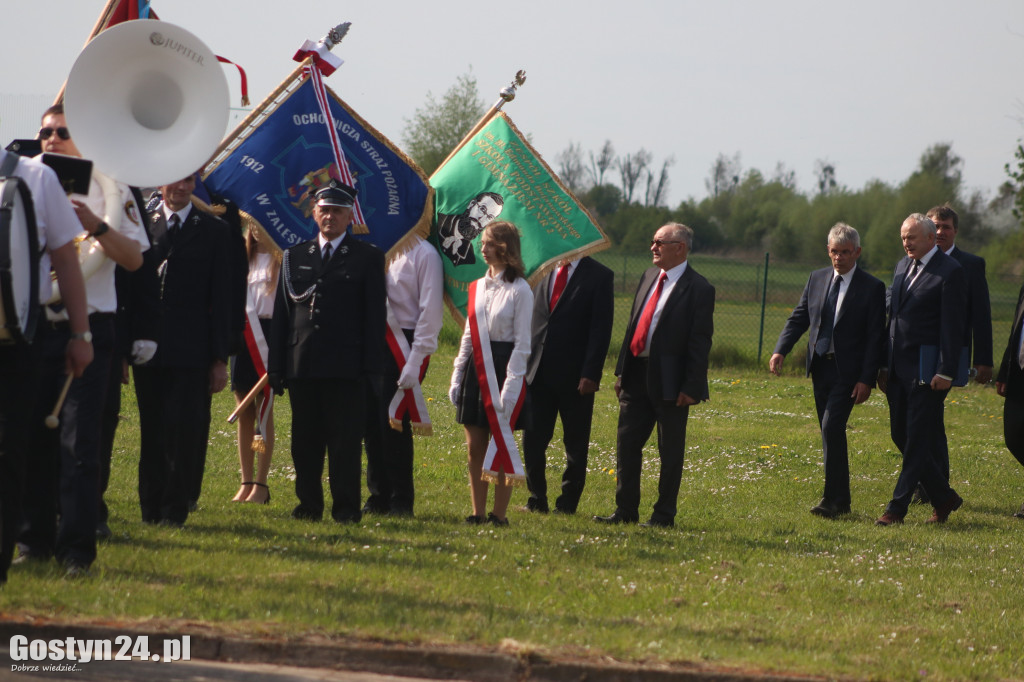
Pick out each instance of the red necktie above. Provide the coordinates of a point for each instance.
(561, 277)
(643, 327)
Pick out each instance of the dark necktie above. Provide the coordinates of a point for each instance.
(327, 253)
(561, 277)
(828, 317)
(911, 274)
(173, 227)
(1020, 346)
(643, 327)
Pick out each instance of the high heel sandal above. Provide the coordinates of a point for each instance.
(236, 498)
(265, 487)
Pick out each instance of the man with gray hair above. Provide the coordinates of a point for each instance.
(926, 334)
(662, 371)
(843, 309)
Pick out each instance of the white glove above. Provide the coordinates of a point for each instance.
(453, 392)
(143, 351)
(410, 375)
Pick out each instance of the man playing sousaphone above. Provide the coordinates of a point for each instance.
(65, 461)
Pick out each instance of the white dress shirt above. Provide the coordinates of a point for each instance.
(415, 296)
(56, 221)
(673, 276)
(509, 311)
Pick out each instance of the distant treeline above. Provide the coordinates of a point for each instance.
(747, 212)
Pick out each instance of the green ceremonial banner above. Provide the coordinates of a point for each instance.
(497, 175)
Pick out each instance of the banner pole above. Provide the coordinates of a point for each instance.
(506, 94)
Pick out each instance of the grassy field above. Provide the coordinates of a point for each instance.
(747, 578)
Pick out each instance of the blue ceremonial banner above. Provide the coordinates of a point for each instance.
(277, 159)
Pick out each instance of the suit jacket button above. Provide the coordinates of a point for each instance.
(316, 310)
(316, 327)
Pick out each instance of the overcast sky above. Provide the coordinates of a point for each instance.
(866, 85)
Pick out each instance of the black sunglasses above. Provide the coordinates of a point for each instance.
(62, 133)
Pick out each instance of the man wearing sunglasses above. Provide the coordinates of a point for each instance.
(662, 370)
(64, 471)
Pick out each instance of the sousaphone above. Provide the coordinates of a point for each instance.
(148, 104)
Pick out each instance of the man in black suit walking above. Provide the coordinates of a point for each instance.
(1010, 385)
(844, 309)
(572, 327)
(925, 320)
(662, 370)
(326, 341)
(977, 314)
(191, 249)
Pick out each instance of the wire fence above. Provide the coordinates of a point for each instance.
(753, 299)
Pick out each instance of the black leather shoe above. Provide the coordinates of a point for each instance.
(614, 518)
(376, 508)
(828, 510)
(303, 514)
(495, 521)
(1020, 512)
(658, 523)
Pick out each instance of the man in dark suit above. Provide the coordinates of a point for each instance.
(977, 314)
(926, 314)
(1010, 385)
(572, 327)
(662, 370)
(844, 309)
(192, 252)
(326, 342)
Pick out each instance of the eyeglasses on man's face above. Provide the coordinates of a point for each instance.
(62, 133)
(662, 242)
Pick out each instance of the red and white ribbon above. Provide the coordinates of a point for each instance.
(502, 452)
(344, 173)
(325, 60)
(256, 343)
(406, 400)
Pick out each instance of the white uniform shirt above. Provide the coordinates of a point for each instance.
(100, 293)
(262, 284)
(509, 312)
(56, 221)
(414, 283)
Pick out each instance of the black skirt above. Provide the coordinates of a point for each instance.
(243, 373)
(469, 406)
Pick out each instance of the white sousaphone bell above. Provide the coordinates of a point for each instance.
(148, 103)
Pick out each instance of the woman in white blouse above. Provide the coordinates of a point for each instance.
(264, 267)
(508, 303)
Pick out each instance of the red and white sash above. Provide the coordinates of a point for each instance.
(257, 346)
(502, 452)
(406, 400)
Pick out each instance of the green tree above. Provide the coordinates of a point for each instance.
(1016, 173)
(436, 128)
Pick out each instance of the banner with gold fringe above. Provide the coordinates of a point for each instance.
(276, 160)
(498, 175)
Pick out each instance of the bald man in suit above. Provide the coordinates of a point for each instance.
(662, 370)
(926, 312)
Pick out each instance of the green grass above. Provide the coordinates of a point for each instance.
(748, 578)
